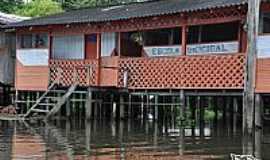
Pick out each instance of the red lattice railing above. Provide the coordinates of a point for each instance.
(196, 72)
(85, 70)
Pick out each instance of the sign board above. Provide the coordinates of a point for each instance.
(33, 57)
(159, 51)
(212, 48)
(263, 46)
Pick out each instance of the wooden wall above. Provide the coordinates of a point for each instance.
(34, 78)
(263, 75)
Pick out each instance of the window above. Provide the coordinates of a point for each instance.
(34, 41)
(162, 37)
(213, 33)
(108, 44)
(266, 23)
(68, 47)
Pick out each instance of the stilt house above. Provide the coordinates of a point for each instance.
(166, 45)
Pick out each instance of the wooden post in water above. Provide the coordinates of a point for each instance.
(249, 88)
(68, 109)
(88, 105)
(129, 106)
(258, 126)
(182, 105)
(156, 107)
(235, 112)
(122, 107)
(142, 107)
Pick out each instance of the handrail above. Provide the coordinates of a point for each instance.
(56, 81)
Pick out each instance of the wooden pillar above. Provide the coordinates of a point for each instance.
(249, 88)
(235, 112)
(147, 107)
(142, 107)
(201, 115)
(68, 109)
(88, 136)
(122, 107)
(129, 106)
(258, 127)
(96, 109)
(184, 41)
(88, 105)
(156, 107)
(119, 44)
(182, 105)
(113, 107)
(98, 56)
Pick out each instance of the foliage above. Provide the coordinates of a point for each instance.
(38, 8)
(75, 4)
(10, 6)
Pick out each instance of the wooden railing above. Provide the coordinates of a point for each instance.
(86, 71)
(187, 72)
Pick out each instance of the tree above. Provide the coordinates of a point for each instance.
(10, 6)
(76, 4)
(38, 8)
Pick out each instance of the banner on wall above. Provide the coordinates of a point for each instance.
(263, 46)
(159, 51)
(33, 57)
(212, 48)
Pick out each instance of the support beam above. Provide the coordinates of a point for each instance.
(129, 106)
(156, 107)
(88, 105)
(142, 107)
(235, 113)
(182, 105)
(249, 88)
(184, 41)
(122, 107)
(68, 109)
(258, 127)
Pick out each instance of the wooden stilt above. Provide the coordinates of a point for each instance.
(122, 107)
(88, 105)
(201, 115)
(258, 127)
(182, 105)
(235, 112)
(60, 110)
(142, 107)
(114, 110)
(156, 107)
(147, 107)
(96, 109)
(155, 137)
(249, 88)
(129, 106)
(68, 109)
(87, 135)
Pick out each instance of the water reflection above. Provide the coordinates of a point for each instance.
(132, 140)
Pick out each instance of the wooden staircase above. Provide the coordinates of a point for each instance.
(49, 103)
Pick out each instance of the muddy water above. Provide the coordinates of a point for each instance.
(130, 139)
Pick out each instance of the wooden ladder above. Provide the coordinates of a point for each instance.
(49, 104)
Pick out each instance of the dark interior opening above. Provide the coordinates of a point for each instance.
(213, 33)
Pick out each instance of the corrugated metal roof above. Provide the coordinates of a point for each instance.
(10, 18)
(135, 10)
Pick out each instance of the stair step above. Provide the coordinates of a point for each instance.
(52, 98)
(40, 110)
(46, 104)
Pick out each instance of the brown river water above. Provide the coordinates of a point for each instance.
(122, 140)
